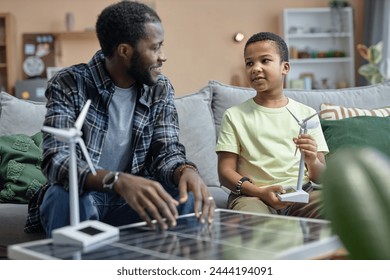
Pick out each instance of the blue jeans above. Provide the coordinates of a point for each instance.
(107, 207)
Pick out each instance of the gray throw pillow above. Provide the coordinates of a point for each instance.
(226, 96)
(197, 133)
(18, 116)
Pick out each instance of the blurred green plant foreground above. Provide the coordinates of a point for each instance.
(356, 194)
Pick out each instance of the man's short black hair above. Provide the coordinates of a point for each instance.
(268, 36)
(123, 22)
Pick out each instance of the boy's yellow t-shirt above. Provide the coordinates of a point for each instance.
(263, 139)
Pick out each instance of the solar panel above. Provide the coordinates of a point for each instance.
(233, 235)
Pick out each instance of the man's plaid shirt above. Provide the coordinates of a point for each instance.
(156, 151)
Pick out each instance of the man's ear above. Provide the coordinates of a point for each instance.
(125, 51)
(286, 67)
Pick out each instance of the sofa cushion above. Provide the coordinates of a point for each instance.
(18, 116)
(336, 112)
(357, 131)
(366, 97)
(20, 167)
(197, 133)
(12, 221)
(226, 96)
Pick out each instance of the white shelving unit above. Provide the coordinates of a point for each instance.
(321, 46)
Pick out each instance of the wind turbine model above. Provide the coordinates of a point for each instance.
(297, 194)
(87, 234)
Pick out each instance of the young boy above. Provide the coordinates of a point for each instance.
(258, 138)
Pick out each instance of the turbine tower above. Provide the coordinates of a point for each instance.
(87, 234)
(297, 194)
(73, 136)
(304, 125)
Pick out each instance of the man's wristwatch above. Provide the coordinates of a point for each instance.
(109, 180)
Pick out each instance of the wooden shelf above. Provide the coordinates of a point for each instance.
(7, 58)
(311, 31)
(318, 35)
(54, 42)
(75, 34)
(321, 60)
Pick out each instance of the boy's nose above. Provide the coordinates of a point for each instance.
(257, 67)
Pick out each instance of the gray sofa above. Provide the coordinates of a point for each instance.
(200, 116)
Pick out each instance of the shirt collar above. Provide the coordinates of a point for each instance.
(99, 73)
(105, 84)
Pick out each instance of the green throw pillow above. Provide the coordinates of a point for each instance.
(357, 131)
(20, 167)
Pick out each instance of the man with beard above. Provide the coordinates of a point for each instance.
(131, 133)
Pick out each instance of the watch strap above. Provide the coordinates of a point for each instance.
(110, 179)
(239, 185)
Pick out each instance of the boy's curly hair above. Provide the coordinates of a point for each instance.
(269, 36)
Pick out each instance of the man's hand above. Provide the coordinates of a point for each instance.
(149, 199)
(190, 181)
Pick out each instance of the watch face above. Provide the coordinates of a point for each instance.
(33, 66)
(109, 179)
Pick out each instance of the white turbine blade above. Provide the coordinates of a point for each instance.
(80, 119)
(86, 155)
(294, 116)
(62, 134)
(308, 118)
(311, 124)
(299, 133)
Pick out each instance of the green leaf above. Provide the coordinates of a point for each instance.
(376, 55)
(356, 195)
(368, 70)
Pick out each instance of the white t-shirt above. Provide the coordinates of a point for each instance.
(263, 139)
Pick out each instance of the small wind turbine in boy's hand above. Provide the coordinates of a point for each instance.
(87, 234)
(297, 194)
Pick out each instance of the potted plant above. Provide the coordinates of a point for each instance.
(373, 55)
(356, 196)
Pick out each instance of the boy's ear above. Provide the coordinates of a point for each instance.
(286, 67)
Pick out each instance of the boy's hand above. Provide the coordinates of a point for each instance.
(308, 146)
(268, 196)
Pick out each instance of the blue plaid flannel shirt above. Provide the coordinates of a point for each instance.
(156, 150)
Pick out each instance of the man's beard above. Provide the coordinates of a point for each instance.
(140, 74)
